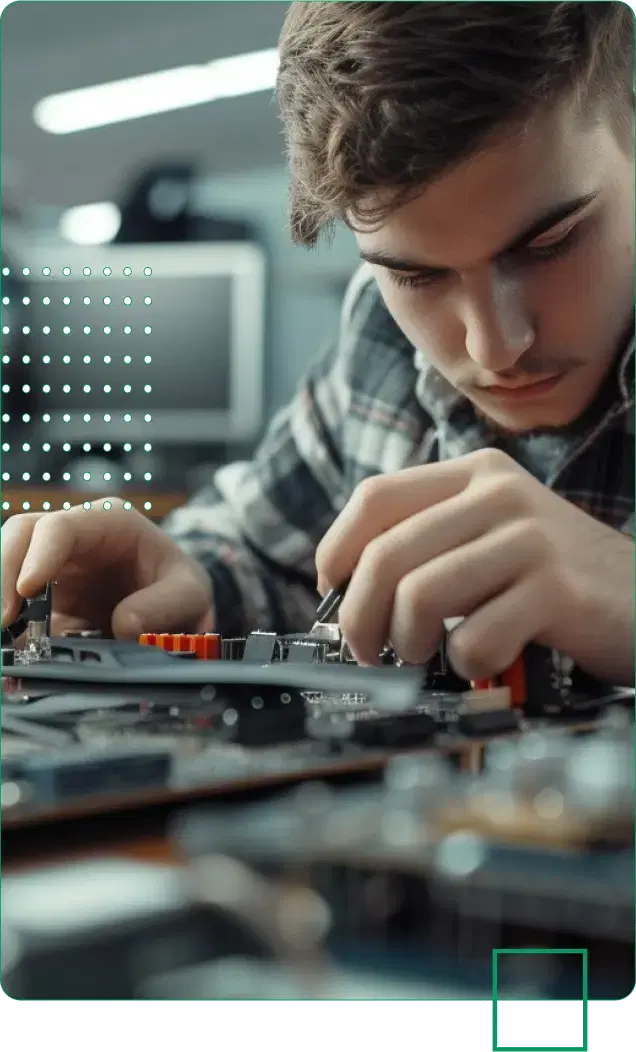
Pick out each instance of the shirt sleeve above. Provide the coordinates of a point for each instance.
(256, 526)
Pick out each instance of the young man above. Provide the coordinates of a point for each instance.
(466, 449)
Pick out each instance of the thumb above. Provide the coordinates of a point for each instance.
(174, 604)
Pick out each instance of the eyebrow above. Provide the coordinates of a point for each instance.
(545, 222)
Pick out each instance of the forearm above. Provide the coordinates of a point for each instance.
(248, 593)
(257, 526)
(256, 529)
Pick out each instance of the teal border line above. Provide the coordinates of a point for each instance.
(496, 1047)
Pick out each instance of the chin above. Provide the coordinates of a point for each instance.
(518, 423)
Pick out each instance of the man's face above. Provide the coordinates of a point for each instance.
(516, 269)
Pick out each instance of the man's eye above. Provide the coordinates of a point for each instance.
(412, 281)
(552, 245)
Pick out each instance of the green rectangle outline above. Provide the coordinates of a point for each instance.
(532, 1048)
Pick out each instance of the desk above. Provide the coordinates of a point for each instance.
(56, 496)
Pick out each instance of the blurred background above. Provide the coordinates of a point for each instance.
(155, 312)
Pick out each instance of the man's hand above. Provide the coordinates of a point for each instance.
(479, 537)
(113, 570)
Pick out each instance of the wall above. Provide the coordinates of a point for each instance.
(306, 286)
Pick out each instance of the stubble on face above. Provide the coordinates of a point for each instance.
(580, 306)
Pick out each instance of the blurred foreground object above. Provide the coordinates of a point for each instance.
(397, 890)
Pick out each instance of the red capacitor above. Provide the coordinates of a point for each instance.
(515, 679)
(483, 684)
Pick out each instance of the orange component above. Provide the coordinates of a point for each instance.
(515, 679)
(206, 647)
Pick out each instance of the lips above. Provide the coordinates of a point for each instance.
(521, 392)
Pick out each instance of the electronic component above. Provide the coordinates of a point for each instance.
(512, 679)
(150, 725)
(205, 646)
(305, 652)
(127, 667)
(239, 702)
(261, 647)
(329, 605)
(488, 722)
(82, 633)
(73, 772)
(486, 700)
(232, 648)
(488, 711)
(540, 682)
(290, 671)
(34, 621)
(395, 732)
(325, 642)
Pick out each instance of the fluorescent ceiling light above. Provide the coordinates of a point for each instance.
(171, 89)
(95, 224)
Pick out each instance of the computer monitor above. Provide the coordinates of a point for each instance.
(133, 343)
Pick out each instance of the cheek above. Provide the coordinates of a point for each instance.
(578, 298)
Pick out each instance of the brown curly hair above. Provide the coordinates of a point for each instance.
(388, 96)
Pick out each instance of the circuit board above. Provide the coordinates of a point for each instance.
(397, 889)
(91, 723)
(482, 814)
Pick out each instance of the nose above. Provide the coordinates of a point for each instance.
(498, 329)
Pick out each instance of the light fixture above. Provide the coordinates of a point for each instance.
(94, 224)
(171, 89)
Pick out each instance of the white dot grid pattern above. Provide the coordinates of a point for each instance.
(83, 387)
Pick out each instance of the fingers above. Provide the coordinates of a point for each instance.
(378, 504)
(180, 601)
(492, 638)
(381, 502)
(456, 584)
(365, 613)
(50, 545)
(61, 535)
(89, 549)
(16, 538)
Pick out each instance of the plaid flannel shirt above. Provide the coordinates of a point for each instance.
(373, 405)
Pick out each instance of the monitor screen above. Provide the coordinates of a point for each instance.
(145, 342)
